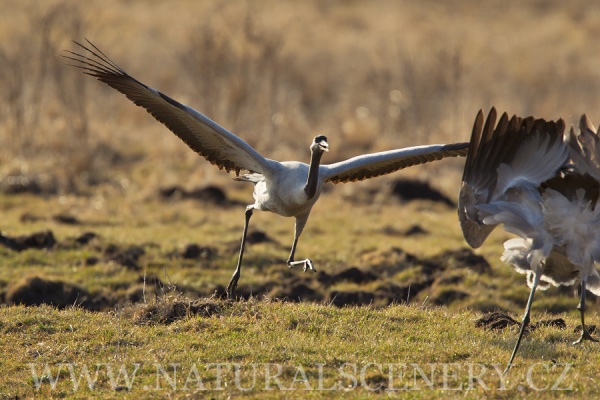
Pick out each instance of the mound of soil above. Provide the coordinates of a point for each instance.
(415, 230)
(37, 240)
(35, 291)
(85, 238)
(296, 293)
(167, 312)
(66, 219)
(501, 320)
(196, 252)
(556, 323)
(449, 296)
(76, 242)
(257, 236)
(353, 274)
(496, 320)
(411, 189)
(127, 257)
(461, 258)
(32, 184)
(590, 328)
(208, 194)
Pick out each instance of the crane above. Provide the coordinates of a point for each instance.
(289, 188)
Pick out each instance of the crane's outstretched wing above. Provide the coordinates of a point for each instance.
(491, 144)
(516, 153)
(213, 142)
(584, 148)
(385, 162)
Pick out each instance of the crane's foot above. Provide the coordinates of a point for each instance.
(307, 265)
(232, 285)
(585, 335)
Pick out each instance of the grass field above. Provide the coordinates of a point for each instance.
(133, 272)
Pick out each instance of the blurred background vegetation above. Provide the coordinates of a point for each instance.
(372, 75)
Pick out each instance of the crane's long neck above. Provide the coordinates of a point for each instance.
(313, 174)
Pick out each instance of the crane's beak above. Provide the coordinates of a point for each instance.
(324, 145)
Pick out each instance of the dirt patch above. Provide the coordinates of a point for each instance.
(296, 293)
(169, 311)
(257, 236)
(590, 328)
(35, 290)
(37, 240)
(208, 194)
(496, 320)
(15, 184)
(461, 258)
(555, 323)
(448, 296)
(501, 320)
(324, 278)
(76, 242)
(410, 189)
(85, 238)
(249, 291)
(415, 230)
(377, 383)
(29, 217)
(196, 252)
(127, 257)
(353, 274)
(66, 219)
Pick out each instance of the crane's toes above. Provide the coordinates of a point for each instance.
(309, 265)
(585, 335)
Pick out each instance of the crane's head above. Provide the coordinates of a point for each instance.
(320, 144)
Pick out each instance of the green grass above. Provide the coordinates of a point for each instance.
(281, 346)
(315, 344)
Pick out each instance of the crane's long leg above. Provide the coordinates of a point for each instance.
(236, 274)
(525, 322)
(300, 222)
(585, 335)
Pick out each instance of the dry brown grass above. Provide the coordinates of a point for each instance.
(372, 75)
